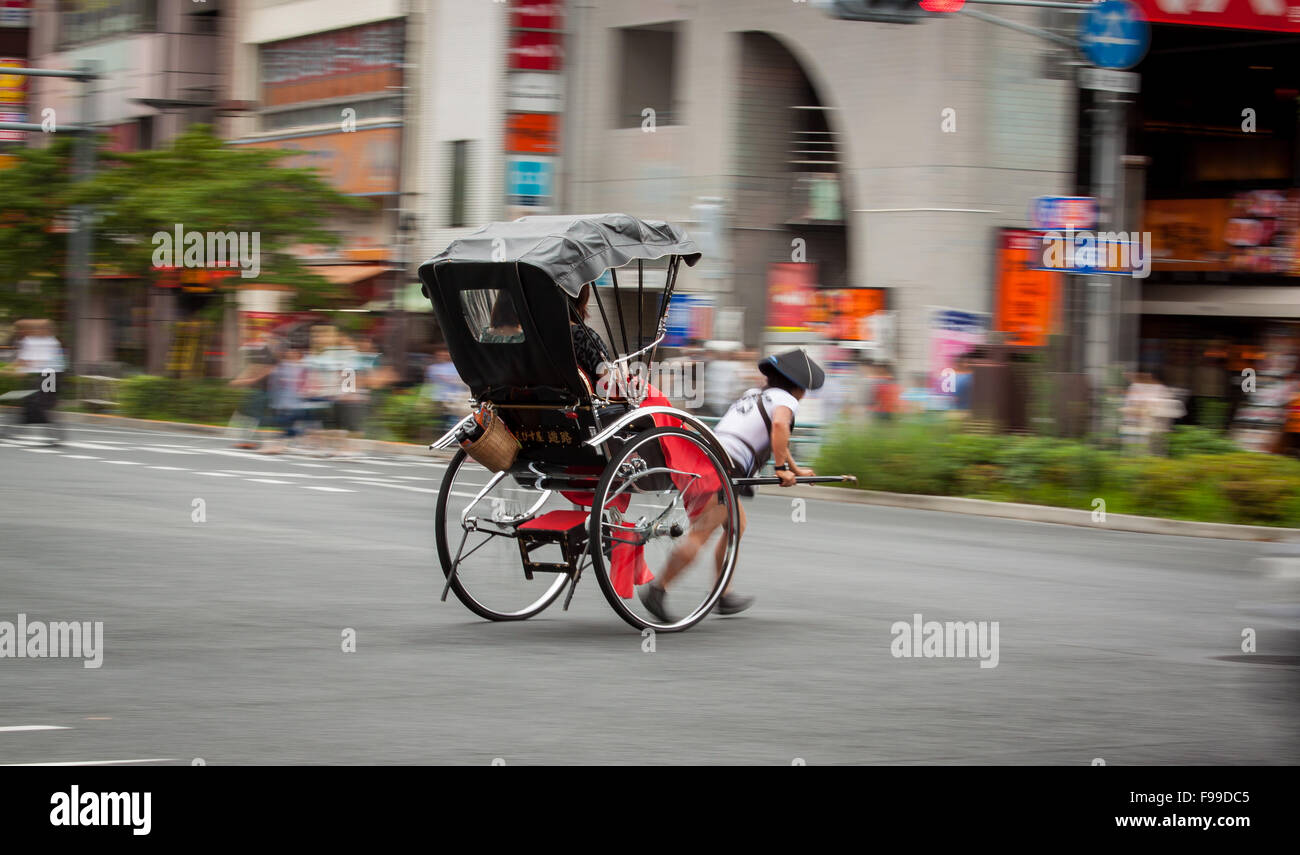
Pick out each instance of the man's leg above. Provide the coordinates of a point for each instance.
(720, 552)
(688, 547)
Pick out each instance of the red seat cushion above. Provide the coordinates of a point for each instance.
(557, 521)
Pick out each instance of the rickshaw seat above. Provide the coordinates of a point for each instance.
(558, 521)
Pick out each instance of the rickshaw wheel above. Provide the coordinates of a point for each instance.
(663, 514)
(491, 581)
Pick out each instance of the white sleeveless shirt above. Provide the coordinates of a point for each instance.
(743, 428)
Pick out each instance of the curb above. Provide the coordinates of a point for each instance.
(1038, 513)
(912, 501)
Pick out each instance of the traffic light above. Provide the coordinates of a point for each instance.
(885, 11)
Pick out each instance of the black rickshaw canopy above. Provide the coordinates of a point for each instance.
(571, 249)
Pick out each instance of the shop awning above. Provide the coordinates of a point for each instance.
(1249, 301)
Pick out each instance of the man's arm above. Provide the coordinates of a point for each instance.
(782, 419)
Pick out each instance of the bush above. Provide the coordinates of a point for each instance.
(164, 398)
(407, 416)
(1209, 479)
(1186, 440)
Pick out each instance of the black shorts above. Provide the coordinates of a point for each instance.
(745, 492)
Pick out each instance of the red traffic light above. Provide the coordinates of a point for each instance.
(942, 5)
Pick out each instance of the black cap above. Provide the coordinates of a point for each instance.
(796, 366)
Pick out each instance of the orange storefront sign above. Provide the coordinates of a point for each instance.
(361, 162)
(1028, 300)
(532, 133)
(853, 306)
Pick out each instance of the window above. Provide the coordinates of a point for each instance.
(80, 22)
(646, 75)
(490, 315)
(459, 178)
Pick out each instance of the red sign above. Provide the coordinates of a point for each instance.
(533, 51)
(532, 133)
(1281, 16)
(791, 296)
(536, 14)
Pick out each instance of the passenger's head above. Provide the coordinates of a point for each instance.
(578, 305)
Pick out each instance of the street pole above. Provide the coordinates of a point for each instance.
(79, 242)
(79, 248)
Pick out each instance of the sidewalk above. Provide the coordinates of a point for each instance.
(947, 504)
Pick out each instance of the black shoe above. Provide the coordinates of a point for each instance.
(652, 597)
(730, 604)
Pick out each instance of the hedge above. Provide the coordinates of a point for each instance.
(1205, 478)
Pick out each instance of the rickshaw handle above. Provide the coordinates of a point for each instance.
(808, 479)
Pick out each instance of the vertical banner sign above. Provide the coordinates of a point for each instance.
(534, 101)
(1028, 297)
(13, 98)
(791, 293)
(952, 333)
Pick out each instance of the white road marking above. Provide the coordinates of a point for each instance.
(330, 489)
(220, 474)
(170, 468)
(123, 462)
(81, 457)
(97, 762)
(42, 451)
(396, 486)
(15, 728)
(267, 481)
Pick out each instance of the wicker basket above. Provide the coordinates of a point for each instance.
(497, 448)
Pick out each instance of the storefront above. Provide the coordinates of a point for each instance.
(1215, 128)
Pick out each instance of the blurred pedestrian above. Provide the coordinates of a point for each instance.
(886, 398)
(1149, 408)
(448, 391)
(288, 383)
(259, 361)
(40, 357)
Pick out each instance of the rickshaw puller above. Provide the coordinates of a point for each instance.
(759, 422)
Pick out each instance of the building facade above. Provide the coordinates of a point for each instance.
(884, 156)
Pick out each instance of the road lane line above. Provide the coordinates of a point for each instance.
(267, 481)
(97, 762)
(16, 728)
(329, 489)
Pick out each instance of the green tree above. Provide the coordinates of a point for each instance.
(207, 186)
(33, 243)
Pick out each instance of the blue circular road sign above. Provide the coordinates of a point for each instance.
(1114, 34)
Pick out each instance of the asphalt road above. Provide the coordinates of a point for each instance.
(222, 638)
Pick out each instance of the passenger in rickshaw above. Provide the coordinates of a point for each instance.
(758, 423)
(593, 356)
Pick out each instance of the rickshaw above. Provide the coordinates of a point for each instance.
(571, 473)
